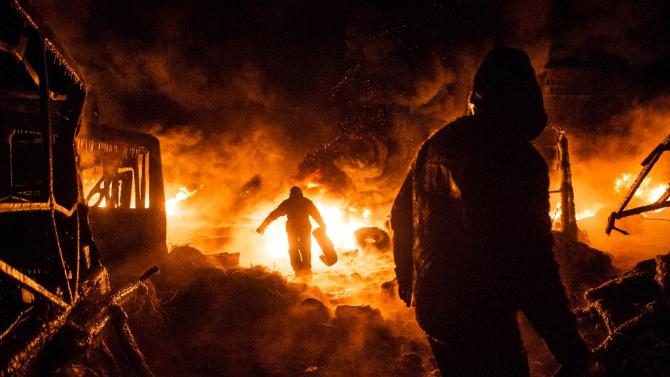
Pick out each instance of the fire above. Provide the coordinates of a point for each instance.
(656, 193)
(584, 214)
(172, 205)
(647, 192)
(357, 271)
(624, 181)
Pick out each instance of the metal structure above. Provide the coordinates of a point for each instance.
(123, 186)
(55, 296)
(662, 202)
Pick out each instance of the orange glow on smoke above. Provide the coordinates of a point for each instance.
(585, 214)
(647, 193)
(172, 208)
(581, 215)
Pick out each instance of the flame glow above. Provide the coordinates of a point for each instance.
(624, 181)
(647, 192)
(341, 223)
(584, 214)
(655, 194)
(172, 204)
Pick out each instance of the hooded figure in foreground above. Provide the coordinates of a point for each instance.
(297, 209)
(472, 236)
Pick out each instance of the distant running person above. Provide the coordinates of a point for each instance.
(297, 209)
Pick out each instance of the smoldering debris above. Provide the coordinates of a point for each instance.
(581, 267)
(634, 309)
(252, 322)
(204, 319)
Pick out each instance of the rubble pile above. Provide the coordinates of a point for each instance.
(217, 320)
(581, 267)
(632, 315)
(206, 319)
(213, 321)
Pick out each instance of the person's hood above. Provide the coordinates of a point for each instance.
(505, 88)
(295, 192)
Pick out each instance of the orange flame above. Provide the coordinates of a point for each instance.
(172, 205)
(647, 192)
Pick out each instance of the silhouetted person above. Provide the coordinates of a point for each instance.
(297, 209)
(472, 234)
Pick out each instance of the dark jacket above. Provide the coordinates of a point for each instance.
(471, 216)
(297, 209)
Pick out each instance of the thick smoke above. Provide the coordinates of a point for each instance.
(251, 91)
(250, 98)
(253, 98)
(247, 92)
(623, 49)
(631, 36)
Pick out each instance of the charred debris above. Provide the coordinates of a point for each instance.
(55, 290)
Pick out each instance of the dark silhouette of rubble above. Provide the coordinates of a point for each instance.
(252, 322)
(634, 308)
(581, 267)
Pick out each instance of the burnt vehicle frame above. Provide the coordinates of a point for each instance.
(55, 297)
(123, 186)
